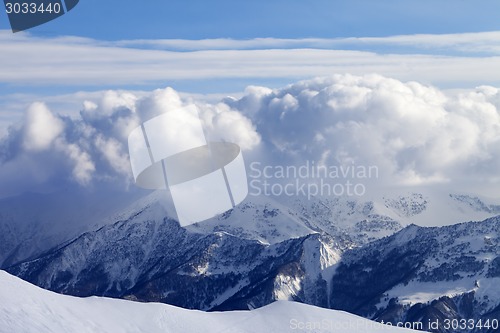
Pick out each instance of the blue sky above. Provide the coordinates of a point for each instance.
(106, 55)
(199, 19)
(221, 47)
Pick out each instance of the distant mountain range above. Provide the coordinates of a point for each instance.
(364, 257)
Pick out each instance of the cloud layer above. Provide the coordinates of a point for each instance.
(48, 151)
(415, 134)
(466, 43)
(461, 59)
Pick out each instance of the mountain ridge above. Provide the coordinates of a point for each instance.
(313, 252)
(27, 308)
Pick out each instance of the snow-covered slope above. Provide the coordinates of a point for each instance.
(149, 257)
(25, 308)
(269, 249)
(423, 274)
(262, 250)
(436, 207)
(362, 219)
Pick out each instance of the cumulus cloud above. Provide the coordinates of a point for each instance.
(48, 151)
(41, 127)
(415, 134)
(440, 59)
(82, 165)
(223, 123)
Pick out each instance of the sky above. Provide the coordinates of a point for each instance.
(408, 85)
(110, 42)
(167, 34)
(201, 19)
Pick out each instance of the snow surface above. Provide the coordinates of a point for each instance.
(423, 292)
(434, 207)
(25, 308)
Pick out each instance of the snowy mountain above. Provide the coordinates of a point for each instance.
(149, 257)
(425, 274)
(343, 253)
(261, 251)
(55, 218)
(29, 309)
(432, 208)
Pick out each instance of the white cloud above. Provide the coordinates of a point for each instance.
(77, 61)
(225, 124)
(160, 101)
(462, 42)
(83, 167)
(89, 148)
(473, 43)
(415, 134)
(41, 127)
(113, 151)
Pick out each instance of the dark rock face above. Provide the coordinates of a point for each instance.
(369, 279)
(145, 258)
(149, 260)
